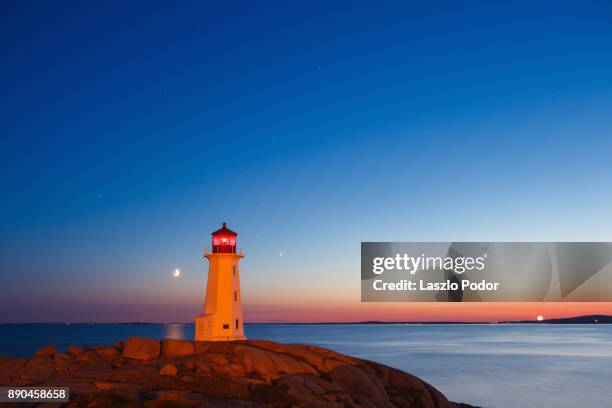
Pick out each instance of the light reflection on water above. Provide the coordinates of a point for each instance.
(175, 331)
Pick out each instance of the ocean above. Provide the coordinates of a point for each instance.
(530, 365)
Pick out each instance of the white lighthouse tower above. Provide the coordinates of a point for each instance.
(222, 318)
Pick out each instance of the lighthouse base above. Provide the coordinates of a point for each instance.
(208, 329)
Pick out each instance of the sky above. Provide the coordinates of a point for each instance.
(131, 130)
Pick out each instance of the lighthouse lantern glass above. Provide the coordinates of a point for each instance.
(224, 241)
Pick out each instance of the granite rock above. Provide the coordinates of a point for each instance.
(249, 373)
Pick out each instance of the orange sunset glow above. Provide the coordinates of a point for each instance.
(330, 311)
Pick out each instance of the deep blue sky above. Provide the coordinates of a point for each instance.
(131, 131)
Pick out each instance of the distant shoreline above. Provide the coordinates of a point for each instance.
(589, 319)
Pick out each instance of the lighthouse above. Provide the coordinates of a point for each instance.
(222, 318)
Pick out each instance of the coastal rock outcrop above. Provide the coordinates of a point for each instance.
(177, 348)
(168, 369)
(46, 351)
(139, 348)
(251, 373)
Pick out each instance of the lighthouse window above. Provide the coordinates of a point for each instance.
(235, 296)
(226, 326)
(234, 270)
(236, 324)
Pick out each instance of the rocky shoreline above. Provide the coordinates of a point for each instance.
(143, 372)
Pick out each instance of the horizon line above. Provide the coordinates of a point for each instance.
(345, 322)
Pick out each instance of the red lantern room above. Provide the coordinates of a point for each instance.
(224, 241)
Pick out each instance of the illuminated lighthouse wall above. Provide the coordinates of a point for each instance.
(222, 319)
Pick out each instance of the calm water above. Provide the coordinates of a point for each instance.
(488, 365)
